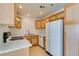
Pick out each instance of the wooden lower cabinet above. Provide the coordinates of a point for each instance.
(33, 39)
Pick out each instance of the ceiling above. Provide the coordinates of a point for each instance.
(34, 9)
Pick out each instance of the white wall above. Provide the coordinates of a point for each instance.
(3, 28)
(27, 24)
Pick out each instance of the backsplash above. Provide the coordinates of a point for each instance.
(15, 32)
(3, 28)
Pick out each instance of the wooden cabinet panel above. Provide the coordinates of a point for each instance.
(43, 24)
(71, 29)
(60, 15)
(33, 39)
(47, 19)
(72, 13)
(40, 24)
(52, 18)
(37, 24)
(18, 22)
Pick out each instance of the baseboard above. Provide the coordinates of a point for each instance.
(46, 51)
(49, 53)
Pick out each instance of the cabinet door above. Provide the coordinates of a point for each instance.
(34, 41)
(72, 38)
(72, 13)
(47, 20)
(42, 24)
(7, 13)
(38, 24)
(52, 18)
(71, 23)
(60, 15)
(18, 22)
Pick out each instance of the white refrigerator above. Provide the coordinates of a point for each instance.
(54, 37)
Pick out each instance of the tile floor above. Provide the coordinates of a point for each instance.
(37, 51)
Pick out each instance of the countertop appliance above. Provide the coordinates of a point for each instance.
(16, 38)
(5, 36)
(54, 37)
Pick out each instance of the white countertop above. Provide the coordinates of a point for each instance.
(14, 45)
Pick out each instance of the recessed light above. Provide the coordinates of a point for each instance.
(28, 14)
(42, 6)
(20, 6)
(41, 13)
(51, 4)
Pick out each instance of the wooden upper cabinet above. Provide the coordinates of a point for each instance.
(40, 24)
(52, 18)
(18, 23)
(47, 20)
(72, 14)
(60, 15)
(71, 30)
(43, 24)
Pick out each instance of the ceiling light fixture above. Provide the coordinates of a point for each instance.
(51, 4)
(20, 6)
(28, 14)
(41, 13)
(42, 6)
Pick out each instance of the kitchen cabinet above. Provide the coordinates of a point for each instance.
(33, 39)
(18, 21)
(60, 15)
(40, 24)
(47, 20)
(52, 18)
(72, 14)
(7, 13)
(71, 30)
(43, 24)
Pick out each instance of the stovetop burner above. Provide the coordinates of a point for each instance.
(16, 38)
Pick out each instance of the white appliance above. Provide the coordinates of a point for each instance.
(54, 37)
